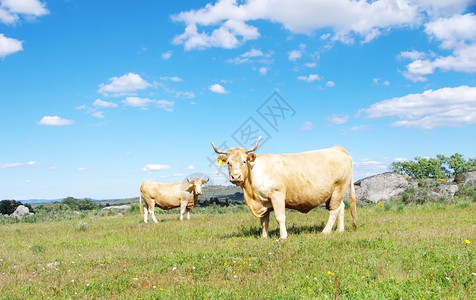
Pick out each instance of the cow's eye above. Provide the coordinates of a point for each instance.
(244, 162)
(228, 163)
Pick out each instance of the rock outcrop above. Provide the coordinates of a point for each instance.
(466, 178)
(121, 209)
(380, 187)
(20, 212)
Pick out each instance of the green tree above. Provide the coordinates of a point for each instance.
(8, 206)
(440, 167)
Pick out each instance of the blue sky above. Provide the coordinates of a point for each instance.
(98, 96)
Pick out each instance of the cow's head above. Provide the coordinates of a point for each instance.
(237, 160)
(196, 185)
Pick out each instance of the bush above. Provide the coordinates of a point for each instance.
(440, 167)
(466, 192)
(81, 204)
(7, 207)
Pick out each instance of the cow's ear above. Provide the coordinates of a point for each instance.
(221, 160)
(204, 181)
(251, 157)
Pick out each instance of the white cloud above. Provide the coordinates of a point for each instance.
(341, 119)
(98, 114)
(358, 128)
(137, 102)
(453, 32)
(430, 109)
(101, 103)
(144, 103)
(368, 167)
(9, 46)
(252, 56)
(10, 10)
(217, 88)
(165, 105)
(155, 167)
(16, 165)
(376, 81)
(55, 121)
(167, 55)
(190, 167)
(231, 34)
(81, 169)
(413, 55)
(224, 23)
(126, 84)
(294, 55)
(307, 126)
(310, 65)
(309, 78)
(186, 95)
(457, 34)
(263, 70)
(330, 84)
(172, 78)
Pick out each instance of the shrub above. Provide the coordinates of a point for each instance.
(466, 192)
(82, 226)
(7, 207)
(440, 167)
(81, 204)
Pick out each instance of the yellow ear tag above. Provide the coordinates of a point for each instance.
(221, 162)
(191, 183)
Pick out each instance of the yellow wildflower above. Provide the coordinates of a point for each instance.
(467, 242)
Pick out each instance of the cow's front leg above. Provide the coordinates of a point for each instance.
(279, 207)
(183, 207)
(188, 214)
(264, 224)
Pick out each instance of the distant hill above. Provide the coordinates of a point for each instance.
(221, 192)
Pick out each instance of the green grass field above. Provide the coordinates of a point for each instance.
(409, 252)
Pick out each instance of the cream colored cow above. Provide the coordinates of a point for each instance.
(170, 195)
(300, 181)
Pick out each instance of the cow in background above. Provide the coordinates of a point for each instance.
(170, 195)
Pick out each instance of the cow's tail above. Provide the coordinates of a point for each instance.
(140, 205)
(353, 201)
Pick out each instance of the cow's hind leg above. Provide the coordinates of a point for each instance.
(188, 214)
(340, 218)
(151, 211)
(336, 211)
(264, 225)
(146, 212)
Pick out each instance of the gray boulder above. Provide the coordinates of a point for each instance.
(380, 187)
(120, 209)
(21, 212)
(466, 178)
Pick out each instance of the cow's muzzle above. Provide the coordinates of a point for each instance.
(236, 178)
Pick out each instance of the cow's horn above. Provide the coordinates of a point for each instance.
(255, 147)
(218, 151)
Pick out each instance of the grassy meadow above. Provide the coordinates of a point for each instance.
(409, 252)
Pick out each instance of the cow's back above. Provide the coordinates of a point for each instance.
(308, 178)
(165, 195)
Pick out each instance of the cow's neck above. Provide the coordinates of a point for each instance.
(247, 187)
